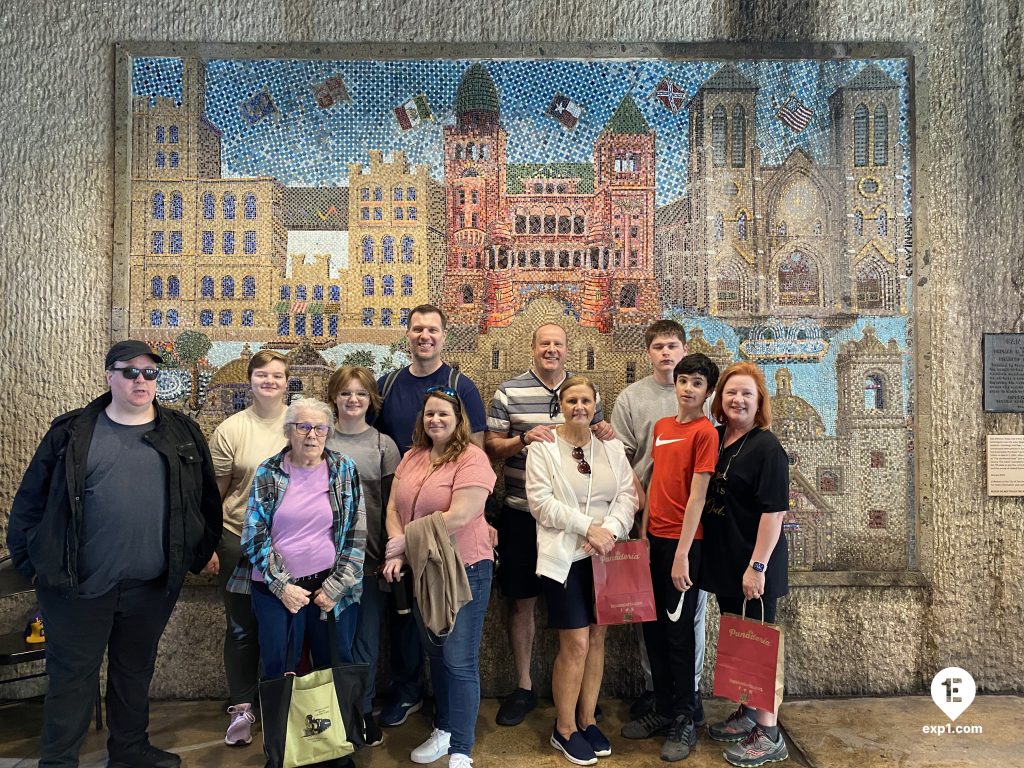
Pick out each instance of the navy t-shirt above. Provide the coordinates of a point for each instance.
(404, 401)
(751, 478)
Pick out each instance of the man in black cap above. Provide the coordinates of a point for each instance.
(119, 501)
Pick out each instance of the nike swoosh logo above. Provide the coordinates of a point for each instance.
(673, 616)
(659, 441)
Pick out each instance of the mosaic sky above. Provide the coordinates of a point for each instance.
(305, 145)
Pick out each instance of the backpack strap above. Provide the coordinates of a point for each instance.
(453, 379)
(389, 382)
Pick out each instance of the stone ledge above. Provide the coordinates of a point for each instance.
(857, 579)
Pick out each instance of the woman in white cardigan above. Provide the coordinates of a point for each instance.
(580, 490)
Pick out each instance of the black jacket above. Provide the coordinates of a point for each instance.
(46, 517)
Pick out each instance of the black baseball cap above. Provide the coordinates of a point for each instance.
(127, 349)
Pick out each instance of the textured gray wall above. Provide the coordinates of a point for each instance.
(56, 237)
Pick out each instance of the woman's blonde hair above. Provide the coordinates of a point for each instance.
(460, 437)
(577, 381)
(763, 417)
(343, 376)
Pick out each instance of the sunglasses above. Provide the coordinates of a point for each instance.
(581, 464)
(149, 374)
(554, 406)
(444, 391)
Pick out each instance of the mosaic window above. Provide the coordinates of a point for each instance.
(368, 313)
(248, 318)
(225, 317)
(874, 392)
(206, 287)
(228, 206)
(173, 287)
(156, 318)
(286, 292)
(300, 325)
(228, 242)
(860, 136)
(387, 285)
(172, 318)
(173, 159)
(250, 207)
(368, 249)
(739, 137)
(335, 293)
(227, 287)
(880, 136)
(157, 288)
(175, 241)
(318, 293)
(407, 285)
(386, 316)
(160, 134)
(249, 242)
(388, 246)
(316, 323)
(206, 317)
(367, 285)
(157, 242)
(300, 292)
(718, 136)
(177, 209)
(173, 134)
(209, 206)
(160, 160)
(158, 206)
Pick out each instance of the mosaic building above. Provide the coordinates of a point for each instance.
(203, 248)
(580, 233)
(800, 239)
(843, 510)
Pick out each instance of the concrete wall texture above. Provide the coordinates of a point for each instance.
(57, 208)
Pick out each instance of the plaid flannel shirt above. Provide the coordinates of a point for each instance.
(345, 584)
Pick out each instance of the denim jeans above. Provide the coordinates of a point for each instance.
(366, 646)
(455, 665)
(277, 626)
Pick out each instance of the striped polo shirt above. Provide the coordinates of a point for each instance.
(519, 405)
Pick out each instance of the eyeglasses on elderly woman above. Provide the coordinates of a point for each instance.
(304, 428)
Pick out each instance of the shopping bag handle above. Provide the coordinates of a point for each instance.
(744, 613)
(292, 660)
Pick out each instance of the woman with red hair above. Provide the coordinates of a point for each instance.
(745, 555)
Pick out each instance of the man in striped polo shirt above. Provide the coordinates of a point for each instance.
(524, 410)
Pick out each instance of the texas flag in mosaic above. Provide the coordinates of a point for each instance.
(565, 110)
(329, 92)
(413, 112)
(670, 94)
(795, 115)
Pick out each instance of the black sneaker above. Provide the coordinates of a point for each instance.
(371, 731)
(682, 737)
(643, 704)
(514, 708)
(146, 756)
(576, 749)
(651, 724)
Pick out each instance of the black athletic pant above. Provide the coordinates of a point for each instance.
(670, 641)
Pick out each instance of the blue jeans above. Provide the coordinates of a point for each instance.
(455, 665)
(277, 626)
(366, 646)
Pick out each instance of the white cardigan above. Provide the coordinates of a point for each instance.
(560, 523)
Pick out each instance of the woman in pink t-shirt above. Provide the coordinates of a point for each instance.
(444, 471)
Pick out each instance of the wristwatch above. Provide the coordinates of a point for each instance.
(522, 438)
(759, 567)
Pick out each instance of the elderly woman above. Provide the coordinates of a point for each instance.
(745, 554)
(239, 445)
(304, 535)
(580, 490)
(444, 472)
(352, 392)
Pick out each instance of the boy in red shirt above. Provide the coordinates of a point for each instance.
(685, 450)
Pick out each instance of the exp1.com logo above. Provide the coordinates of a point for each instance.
(953, 691)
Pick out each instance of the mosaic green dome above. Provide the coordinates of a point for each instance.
(477, 92)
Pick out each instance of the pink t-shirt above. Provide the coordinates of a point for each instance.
(471, 469)
(301, 529)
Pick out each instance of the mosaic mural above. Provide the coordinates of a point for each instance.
(766, 205)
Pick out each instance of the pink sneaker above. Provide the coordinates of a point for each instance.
(240, 731)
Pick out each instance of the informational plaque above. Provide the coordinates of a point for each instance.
(1006, 465)
(1004, 372)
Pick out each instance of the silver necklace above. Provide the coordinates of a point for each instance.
(725, 474)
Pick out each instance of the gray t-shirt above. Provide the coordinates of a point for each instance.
(124, 530)
(375, 455)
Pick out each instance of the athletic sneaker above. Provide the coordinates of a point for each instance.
(239, 732)
(434, 748)
(145, 756)
(459, 760)
(735, 727)
(756, 749)
(597, 740)
(651, 724)
(397, 712)
(575, 748)
(682, 737)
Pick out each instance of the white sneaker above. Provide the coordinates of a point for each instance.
(459, 760)
(434, 748)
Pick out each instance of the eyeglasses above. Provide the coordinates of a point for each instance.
(346, 394)
(581, 464)
(149, 374)
(444, 391)
(304, 428)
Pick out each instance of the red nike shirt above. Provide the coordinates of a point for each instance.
(678, 451)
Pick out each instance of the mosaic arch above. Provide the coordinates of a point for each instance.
(305, 205)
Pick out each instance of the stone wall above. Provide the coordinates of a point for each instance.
(57, 208)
